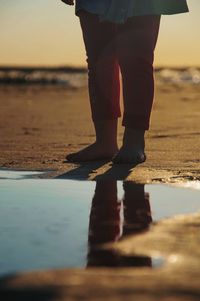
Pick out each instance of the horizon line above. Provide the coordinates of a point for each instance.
(81, 67)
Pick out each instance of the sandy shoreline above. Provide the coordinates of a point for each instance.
(40, 124)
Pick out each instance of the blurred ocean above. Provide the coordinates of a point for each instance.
(77, 77)
(63, 76)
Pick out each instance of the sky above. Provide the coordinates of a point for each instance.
(47, 33)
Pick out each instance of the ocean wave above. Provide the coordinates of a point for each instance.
(77, 77)
(69, 77)
(179, 76)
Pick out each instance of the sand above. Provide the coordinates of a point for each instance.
(39, 125)
(176, 280)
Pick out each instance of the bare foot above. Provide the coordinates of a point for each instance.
(95, 151)
(128, 156)
(132, 150)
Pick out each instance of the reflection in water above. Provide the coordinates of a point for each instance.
(39, 219)
(112, 218)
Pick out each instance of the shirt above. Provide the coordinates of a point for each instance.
(118, 11)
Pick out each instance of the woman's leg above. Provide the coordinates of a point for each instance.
(136, 41)
(103, 72)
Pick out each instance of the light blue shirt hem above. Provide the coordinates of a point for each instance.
(118, 11)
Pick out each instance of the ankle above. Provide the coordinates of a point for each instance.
(134, 136)
(106, 142)
(106, 132)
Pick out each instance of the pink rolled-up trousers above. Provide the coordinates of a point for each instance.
(129, 48)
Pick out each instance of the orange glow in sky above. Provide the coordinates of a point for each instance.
(47, 33)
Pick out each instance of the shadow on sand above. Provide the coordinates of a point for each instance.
(89, 170)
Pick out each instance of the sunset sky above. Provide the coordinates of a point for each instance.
(46, 32)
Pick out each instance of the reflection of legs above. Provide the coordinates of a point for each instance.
(105, 214)
(104, 224)
(136, 42)
(137, 211)
(103, 74)
(137, 215)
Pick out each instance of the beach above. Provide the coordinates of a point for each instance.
(99, 231)
(41, 123)
(45, 116)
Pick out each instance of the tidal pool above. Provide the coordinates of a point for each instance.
(57, 223)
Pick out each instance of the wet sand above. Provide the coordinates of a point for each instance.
(39, 125)
(176, 280)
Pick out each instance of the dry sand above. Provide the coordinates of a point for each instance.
(39, 125)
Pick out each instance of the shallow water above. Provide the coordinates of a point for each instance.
(56, 223)
(18, 174)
